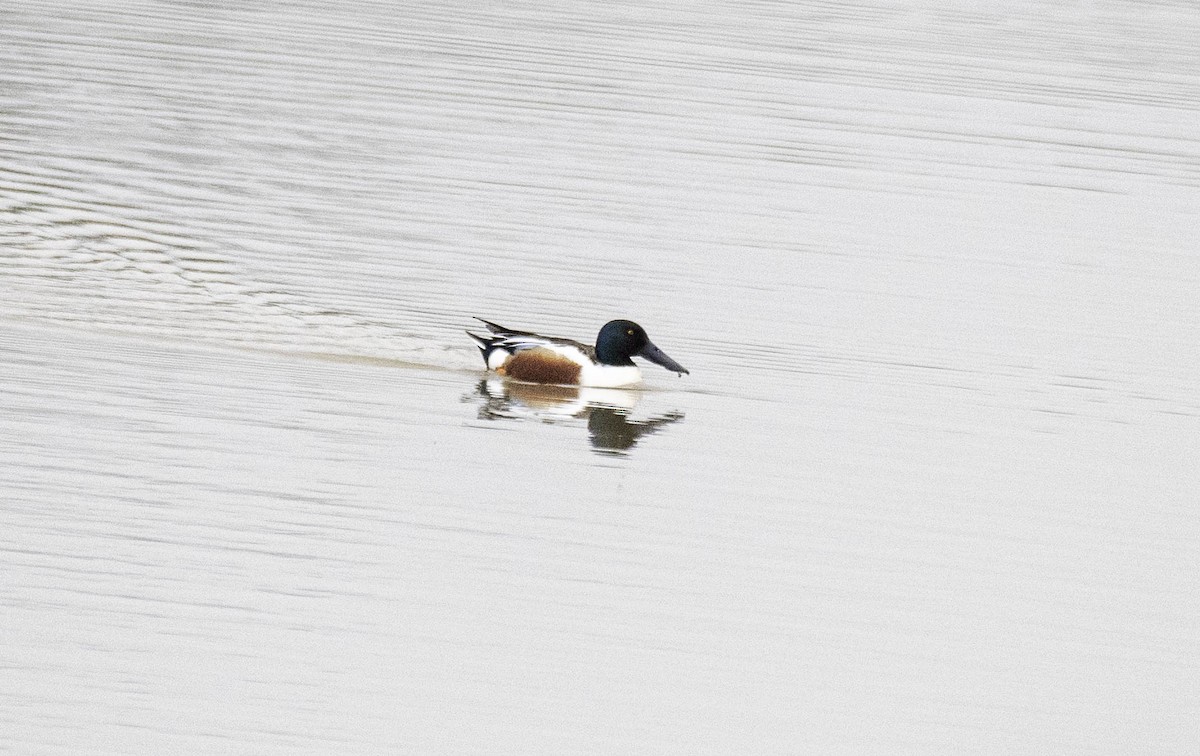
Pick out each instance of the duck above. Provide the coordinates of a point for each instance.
(531, 357)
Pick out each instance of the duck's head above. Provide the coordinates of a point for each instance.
(619, 340)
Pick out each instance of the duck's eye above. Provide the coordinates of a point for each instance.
(628, 331)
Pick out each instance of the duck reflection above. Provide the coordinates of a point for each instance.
(610, 427)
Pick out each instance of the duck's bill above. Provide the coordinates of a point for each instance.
(659, 357)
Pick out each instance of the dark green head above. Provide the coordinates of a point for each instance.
(619, 340)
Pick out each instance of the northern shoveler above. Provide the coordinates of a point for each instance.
(528, 356)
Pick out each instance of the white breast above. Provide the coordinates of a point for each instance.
(609, 376)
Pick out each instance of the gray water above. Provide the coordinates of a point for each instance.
(929, 488)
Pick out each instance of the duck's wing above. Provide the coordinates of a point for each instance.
(500, 330)
(514, 341)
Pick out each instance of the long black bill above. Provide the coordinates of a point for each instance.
(659, 357)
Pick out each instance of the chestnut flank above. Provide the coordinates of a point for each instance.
(541, 366)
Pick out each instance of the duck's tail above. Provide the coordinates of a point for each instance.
(486, 345)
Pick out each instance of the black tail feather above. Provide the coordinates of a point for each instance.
(485, 345)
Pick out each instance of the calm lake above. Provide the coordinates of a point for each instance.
(931, 486)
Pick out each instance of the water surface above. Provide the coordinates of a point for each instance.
(928, 488)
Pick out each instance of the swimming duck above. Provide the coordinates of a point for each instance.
(528, 356)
